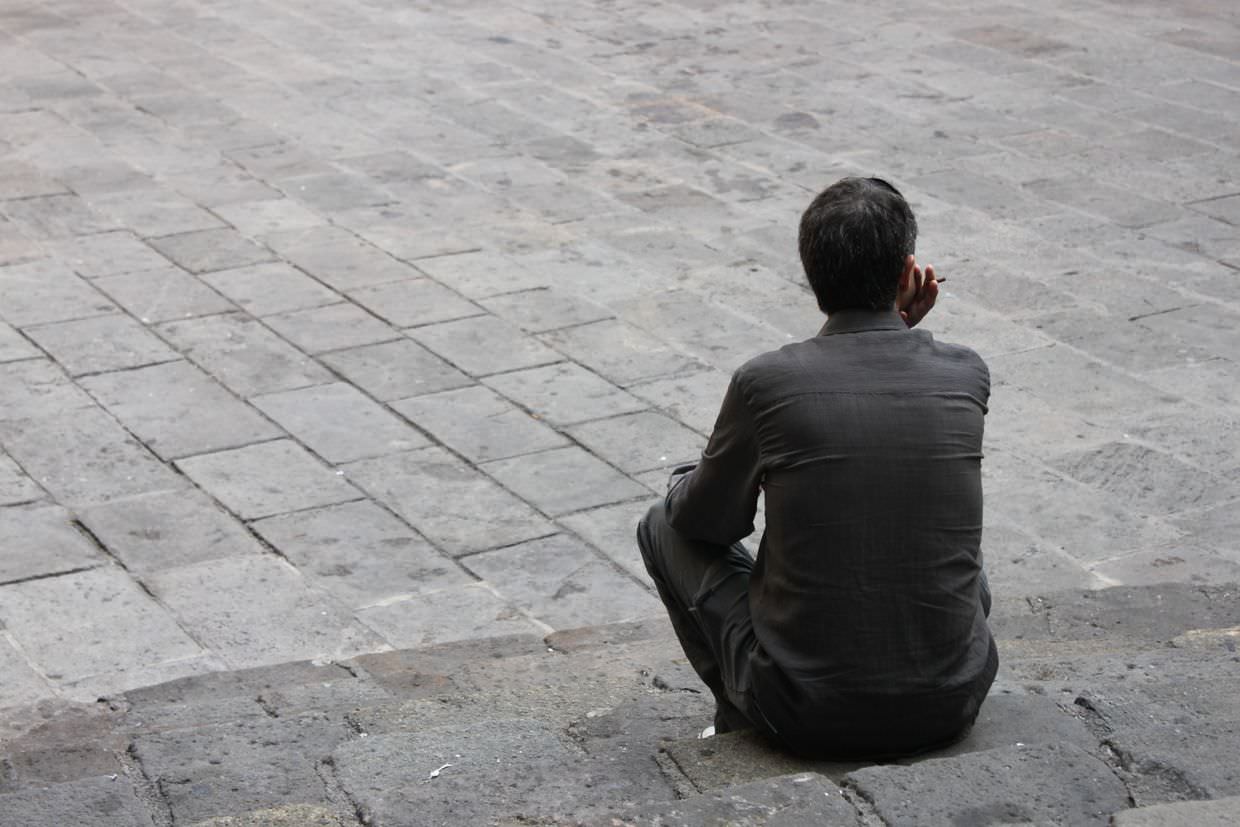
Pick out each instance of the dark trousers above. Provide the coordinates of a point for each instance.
(705, 588)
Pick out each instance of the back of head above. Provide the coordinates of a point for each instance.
(854, 239)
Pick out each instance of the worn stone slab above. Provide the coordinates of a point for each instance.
(84, 458)
(1017, 563)
(40, 540)
(563, 480)
(1056, 783)
(414, 302)
(37, 387)
(612, 530)
(15, 486)
(101, 343)
(541, 310)
(1220, 812)
(243, 355)
(483, 345)
(56, 216)
(564, 394)
(106, 801)
(22, 684)
(1173, 761)
(640, 442)
(693, 399)
(14, 346)
(259, 218)
(396, 370)
(430, 488)
(153, 211)
(266, 479)
(1152, 480)
(162, 531)
(93, 623)
(206, 251)
(455, 613)
(339, 423)
(338, 258)
(739, 758)
(47, 291)
(1180, 563)
(620, 352)
(290, 815)
(178, 411)
(389, 775)
(272, 287)
(360, 553)
(254, 610)
(164, 294)
(479, 424)
(331, 327)
(563, 583)
(790, 800)
(238, 766)
(107, 254)
(479, 275)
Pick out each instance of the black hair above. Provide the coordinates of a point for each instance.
(854, 239)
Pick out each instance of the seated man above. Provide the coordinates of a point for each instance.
(860, 632)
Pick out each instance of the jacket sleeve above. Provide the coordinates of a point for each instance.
(716, 501)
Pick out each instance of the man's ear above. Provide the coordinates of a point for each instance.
(907, 288)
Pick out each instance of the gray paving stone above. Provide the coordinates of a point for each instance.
(1177, 760)
(563, 480)
(153, 211)
(540, 310)
(267, 479)
(46, 291)
(82, 457)
(1121, 206)
(15, 486)
(1017, 563)
(562, 583)
(216, 186)
(100, 343)
(41, 540)
(288, 815)
(620, 352)
(22, 686)
(455, 613)
(255, 610)
(14, 346)
(48, 217)
(339, 423)
(162, 531)
(107, 254)
(106, 801)
(389, 775)
(395, 370)
(483, 345)
(165, 294)
(1057, 783)
(612, 530)
(429, 487)
(360, 553)
(237, 766)
(564, 394)
(178, 411)
(338, 258)
(479, 424)
(1218, 813)
(334, 191)
(244, 356)
(1156, 482)
(414, 302)
(206, 251)
(693, 399)
(259, 218)
(93, 623)
(331, 327)
(478, 275)
(274, 287)
(742, 757)
(804, 798)
(35, 388)
(640, 442)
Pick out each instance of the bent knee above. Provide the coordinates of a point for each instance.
(649, 526)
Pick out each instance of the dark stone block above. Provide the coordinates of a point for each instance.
(804, 800)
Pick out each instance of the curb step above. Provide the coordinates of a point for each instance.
(1106, 700)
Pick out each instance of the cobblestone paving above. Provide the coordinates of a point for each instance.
(334, 326)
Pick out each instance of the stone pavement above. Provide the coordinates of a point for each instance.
(336, 327)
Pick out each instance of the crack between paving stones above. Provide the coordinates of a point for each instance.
(1140, 316)
(1173, 781)
(148, 790)
(52, 575)
(337, 794)
(867, 813)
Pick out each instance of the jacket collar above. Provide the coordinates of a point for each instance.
(858, 321)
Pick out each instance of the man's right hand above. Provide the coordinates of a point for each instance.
(919, 297)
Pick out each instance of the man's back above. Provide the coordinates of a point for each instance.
(867, 442)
